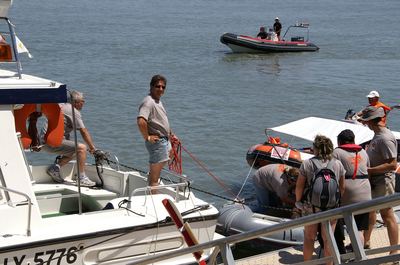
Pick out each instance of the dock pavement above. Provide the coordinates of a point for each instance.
(291, 255)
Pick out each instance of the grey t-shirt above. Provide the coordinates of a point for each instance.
(68, 121)
(356, 190)
(156, 116)
(383, 146)
(272, 178)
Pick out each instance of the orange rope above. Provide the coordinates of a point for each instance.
(175, 163)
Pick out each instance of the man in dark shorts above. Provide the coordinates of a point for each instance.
(277, 27)
(357, 187)
(382, 152)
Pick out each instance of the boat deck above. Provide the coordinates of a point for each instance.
(293, 255)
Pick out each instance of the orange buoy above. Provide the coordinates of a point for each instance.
(55, 127)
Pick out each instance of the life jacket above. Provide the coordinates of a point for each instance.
(354, 148)
(55, 131)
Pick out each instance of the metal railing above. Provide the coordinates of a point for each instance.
(28, 229)
(346, 212)
(148, 189)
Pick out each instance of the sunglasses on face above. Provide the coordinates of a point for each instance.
(160, 86)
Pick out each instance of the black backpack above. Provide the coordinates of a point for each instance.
(324, 190)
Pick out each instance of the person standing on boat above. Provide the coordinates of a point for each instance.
(357, 187)
(382, 152)
(323, 149)
(67, 149)
(153, 124)
(274, 185)
(277, 27)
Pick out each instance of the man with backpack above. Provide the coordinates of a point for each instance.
(318, 188)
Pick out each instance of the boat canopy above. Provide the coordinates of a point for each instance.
(29, 89)
(310, 127)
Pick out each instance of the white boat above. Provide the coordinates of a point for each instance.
(43, 222)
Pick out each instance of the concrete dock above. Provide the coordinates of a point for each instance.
(293, 255)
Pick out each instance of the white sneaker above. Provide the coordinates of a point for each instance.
(86, 182)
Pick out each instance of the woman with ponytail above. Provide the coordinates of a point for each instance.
(323, 150)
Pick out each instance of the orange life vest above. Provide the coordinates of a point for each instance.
(55, 123)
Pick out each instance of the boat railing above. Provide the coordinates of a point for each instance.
(28, 229)
(148, 190)
(346, 212)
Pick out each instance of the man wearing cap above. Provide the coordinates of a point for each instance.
(382, 152)
(277, 27)
(373, 100)
(280, 181)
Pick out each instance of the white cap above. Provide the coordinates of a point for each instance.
(373, 94)
(277, 18)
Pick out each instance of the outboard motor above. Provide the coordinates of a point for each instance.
(349, 114)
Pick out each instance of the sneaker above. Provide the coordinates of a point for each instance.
(54, 172)
(86, 182)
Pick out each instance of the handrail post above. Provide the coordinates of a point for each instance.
(326, 225)
(226, 254)
(28, 229)
(352, 230)
(212, 258)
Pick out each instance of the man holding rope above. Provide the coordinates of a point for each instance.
(153, 124)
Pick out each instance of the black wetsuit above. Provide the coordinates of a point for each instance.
(277, 28)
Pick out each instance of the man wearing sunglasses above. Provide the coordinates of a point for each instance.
(153, 124)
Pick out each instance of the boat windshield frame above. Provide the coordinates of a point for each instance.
(303, 25)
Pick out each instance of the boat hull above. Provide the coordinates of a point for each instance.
(246, 44)
(119, 246)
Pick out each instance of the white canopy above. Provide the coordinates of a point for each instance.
(310, 127)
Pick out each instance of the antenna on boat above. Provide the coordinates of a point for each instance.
(14, 46)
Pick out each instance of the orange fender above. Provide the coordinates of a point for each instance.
(55, 123)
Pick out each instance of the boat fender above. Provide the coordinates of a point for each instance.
(55, 118)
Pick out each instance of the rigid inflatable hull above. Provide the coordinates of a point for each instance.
(236, 218)
(239, 43)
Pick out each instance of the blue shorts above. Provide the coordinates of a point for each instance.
(158, 151)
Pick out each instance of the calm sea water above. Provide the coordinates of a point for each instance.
(218, 103)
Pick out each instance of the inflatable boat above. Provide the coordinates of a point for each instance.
(273, 151)
(248, 44)
(237, 218)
